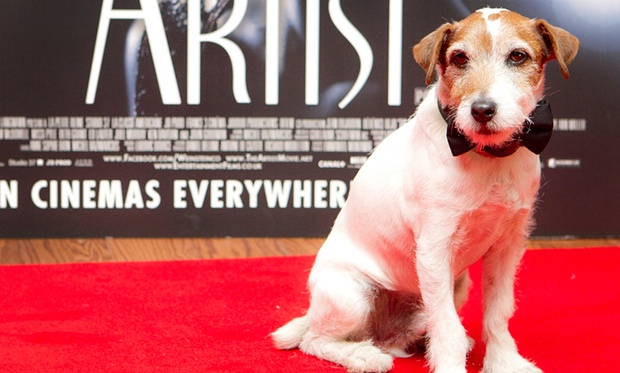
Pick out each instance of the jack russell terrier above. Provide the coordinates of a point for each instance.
(455, 184)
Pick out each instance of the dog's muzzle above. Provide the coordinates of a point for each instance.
(537, 131)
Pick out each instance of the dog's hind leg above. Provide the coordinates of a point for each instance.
(462, 286)
(354, 356)
(338, 316)
(461, 289)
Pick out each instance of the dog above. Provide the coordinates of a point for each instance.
(457, 183)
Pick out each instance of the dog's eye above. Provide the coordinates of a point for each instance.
(517, 57)
(460, 59)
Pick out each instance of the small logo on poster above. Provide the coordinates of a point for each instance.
(563, 163)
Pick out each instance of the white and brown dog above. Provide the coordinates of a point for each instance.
(392, 274)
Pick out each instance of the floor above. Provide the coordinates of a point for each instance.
(52, 251)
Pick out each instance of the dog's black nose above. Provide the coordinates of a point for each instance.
(483, 110)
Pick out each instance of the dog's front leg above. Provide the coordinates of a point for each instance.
(499, 267)
(448, 344)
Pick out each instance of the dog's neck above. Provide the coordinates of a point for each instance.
(535, 136)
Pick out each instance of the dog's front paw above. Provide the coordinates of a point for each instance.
(509, 364)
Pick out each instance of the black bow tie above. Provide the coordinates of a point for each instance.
(535, 136)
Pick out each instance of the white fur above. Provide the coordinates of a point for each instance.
(493, 26)
(415, 219)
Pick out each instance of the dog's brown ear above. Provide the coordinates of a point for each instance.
(561, 45)
(428, 51)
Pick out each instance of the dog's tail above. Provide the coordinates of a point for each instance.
(291, 334)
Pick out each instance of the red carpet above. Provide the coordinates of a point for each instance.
(215, 316)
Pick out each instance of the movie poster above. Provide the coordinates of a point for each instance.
(217, 118)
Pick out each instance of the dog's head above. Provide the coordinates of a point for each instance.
(490, 69)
